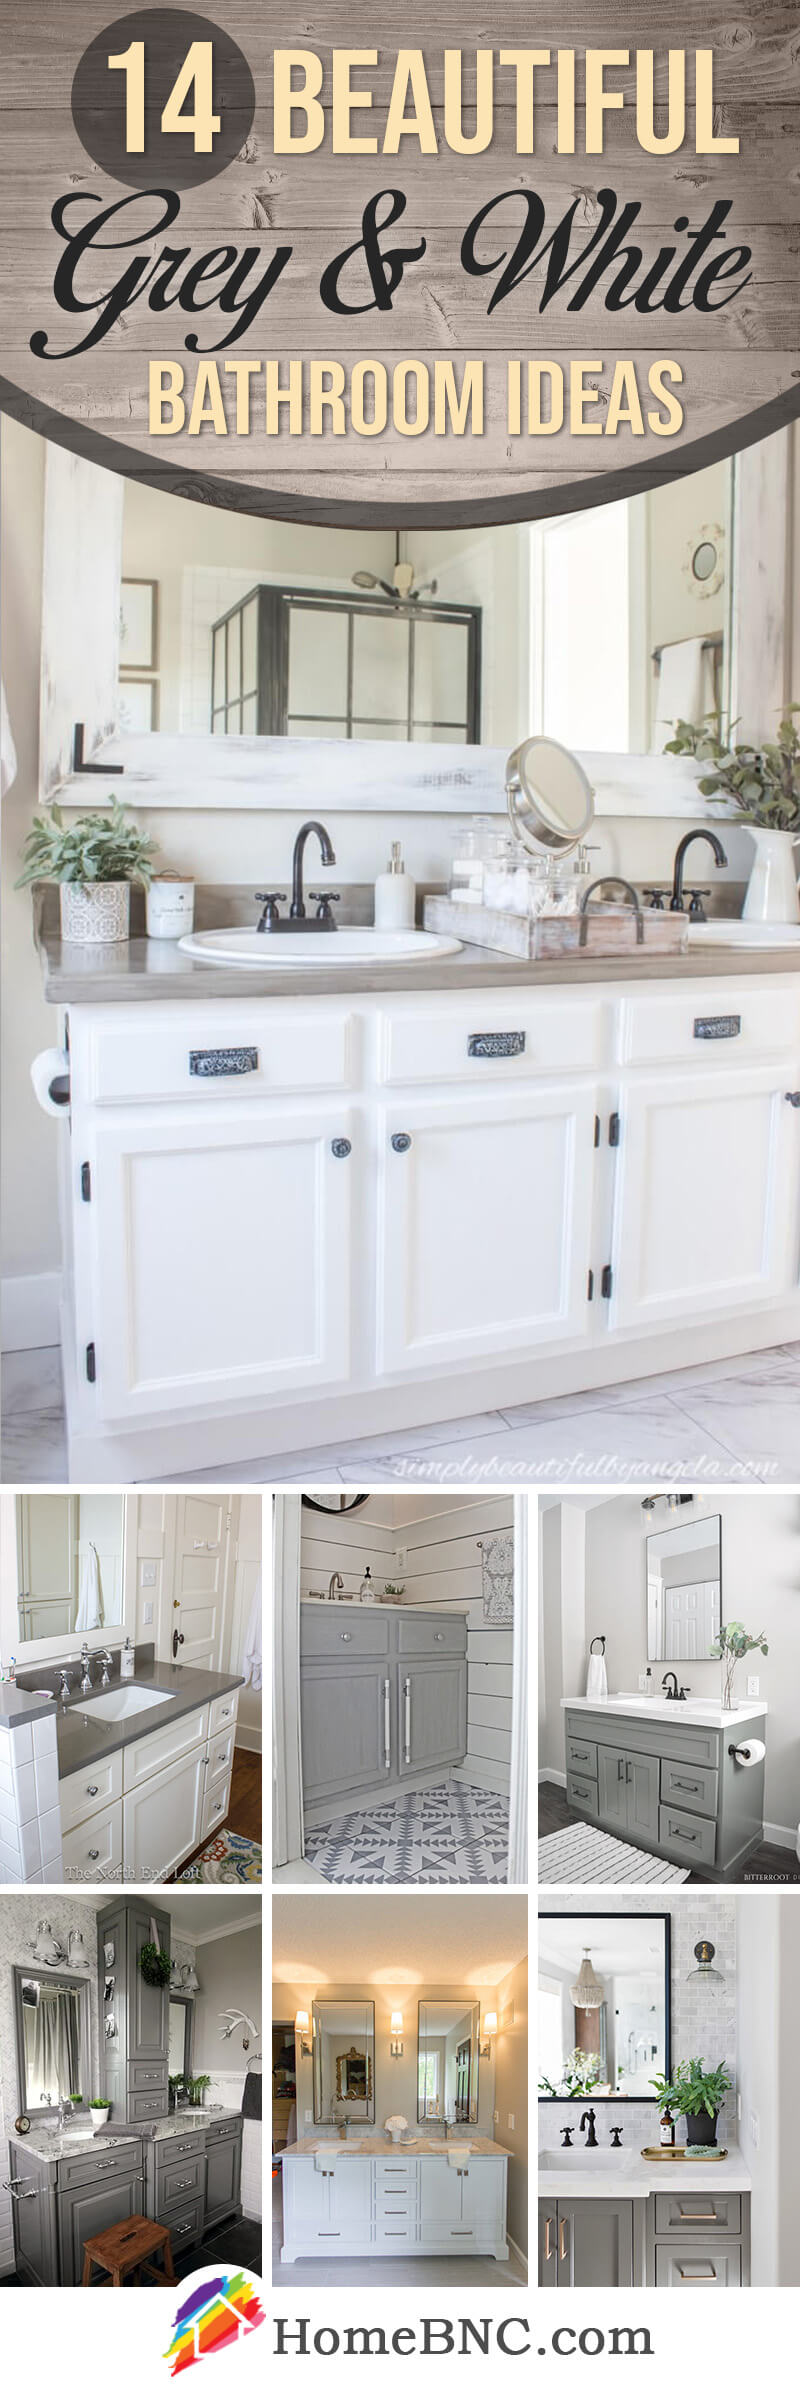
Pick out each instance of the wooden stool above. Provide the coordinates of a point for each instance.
(125, 2249)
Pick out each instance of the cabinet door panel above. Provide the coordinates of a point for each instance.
(612, 1790)
(439, 2195)
(163, 1820)
(548, 2244)
(343, 1713)
(485, 1226)
(82, 2213)
(706, 1211)
(222, 1258)
(482, 2197)
(643, 1787)
(147, 2003)
(222, 2177)
(350, 2198)
(432, 1714)
(595, 2243)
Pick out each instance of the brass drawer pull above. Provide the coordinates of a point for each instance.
(548, 2251)
(562, 2238)
(708, 2215)
(697, 2280)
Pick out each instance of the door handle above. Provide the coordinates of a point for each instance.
(620, 1770)
(387, 1725)
(407, 1711)
(548, 2249)
(18, 2193)
(176, 1639)
(563, 2243)
(628, 1771)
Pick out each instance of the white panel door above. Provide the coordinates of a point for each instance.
(482, 2197)
(163, 1819)
(707, 1203)
(221, 1257)
(203, 1560)
(485, 1226)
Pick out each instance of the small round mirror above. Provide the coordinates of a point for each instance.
(704, 560)
(550, 799)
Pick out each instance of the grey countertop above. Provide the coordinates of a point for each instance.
(83, 1740)
(153, 971)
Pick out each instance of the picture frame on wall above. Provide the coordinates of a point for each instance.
(138, 626)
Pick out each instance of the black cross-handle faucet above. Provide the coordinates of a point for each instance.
(589, 2118)
(297, 910)
(709, 838)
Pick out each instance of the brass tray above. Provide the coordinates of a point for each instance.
(684, 2156)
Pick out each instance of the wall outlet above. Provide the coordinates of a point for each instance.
(147, 1572)
(496, 2115)
(752, 1688)
(511, 2123)
(643, 1682)
(307, 2116)
(401, 1556)
(147, 1614)
(753, 2128)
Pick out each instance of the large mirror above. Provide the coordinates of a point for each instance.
(70, 1573)
(181, 2022)
(53, 2039)
(448, 2056)
(684, 1590)
(343, 2034)
(604, 2004)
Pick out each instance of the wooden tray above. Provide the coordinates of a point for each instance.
(610, 929)
(684, 2156)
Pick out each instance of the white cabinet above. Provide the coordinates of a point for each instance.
(485, 1213)
(93, 1851)
(706, 1209)
(89, 1790)
(353, 2204)
(153, 1752)
(463, 2205)
(163, 1819)
(327, 2212)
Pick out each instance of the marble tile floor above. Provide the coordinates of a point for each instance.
(376, 2272)
(733, 1421)
(455, 1833)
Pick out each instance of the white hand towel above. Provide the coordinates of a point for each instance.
(596, 1678)
(8, 752)
(684, 690)
(90, 1596)
(253, 1657)
(458, 2153)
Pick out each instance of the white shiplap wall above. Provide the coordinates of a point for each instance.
(348, 1541)
(441, 1563)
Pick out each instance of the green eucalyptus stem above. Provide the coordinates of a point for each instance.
(762, 782)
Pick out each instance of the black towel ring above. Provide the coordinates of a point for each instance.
(602, 1641)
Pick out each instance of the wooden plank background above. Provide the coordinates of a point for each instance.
(742, 359)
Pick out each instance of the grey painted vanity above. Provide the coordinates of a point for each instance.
(639, 2225)
(383, 1700)
(664, 1775)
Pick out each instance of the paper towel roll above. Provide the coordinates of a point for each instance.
(748, 1754)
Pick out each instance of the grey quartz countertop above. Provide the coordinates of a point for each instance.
(377, 2146)
(153, 970)
(608, 2173)
(83, 1740)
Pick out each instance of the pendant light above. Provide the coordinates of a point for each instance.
(588, 1990)
(705, 1971)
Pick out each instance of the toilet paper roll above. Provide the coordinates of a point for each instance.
(748, 1754)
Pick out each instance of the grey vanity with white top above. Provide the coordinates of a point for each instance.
(383, 1700)
(647, 2236)
(670, 1783)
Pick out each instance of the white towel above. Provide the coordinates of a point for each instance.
(8, 752)
(596, 1678)
(684, 690)
(90, 1597)
(253, 1657)
(457, 2153)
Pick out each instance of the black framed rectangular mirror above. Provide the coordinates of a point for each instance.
(604, 2008)
(684, 1590)
(181, 2028)
(53, 2029)
(448, 2059)
(344, 2060)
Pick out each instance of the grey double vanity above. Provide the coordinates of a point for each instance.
(66, 2182)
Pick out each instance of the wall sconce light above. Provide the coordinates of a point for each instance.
(396, 2042)
(490, 2028)
(705, 1971)
(301, 2029)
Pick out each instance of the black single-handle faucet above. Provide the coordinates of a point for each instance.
(589, 2118)
(709, 838)
(297, 910)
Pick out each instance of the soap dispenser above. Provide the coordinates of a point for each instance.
(367, 1592)
(395, 894)
(127, 1658)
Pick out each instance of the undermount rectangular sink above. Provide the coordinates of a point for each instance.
(125, 1702)
(301, 949)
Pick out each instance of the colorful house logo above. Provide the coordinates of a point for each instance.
(217, 2314)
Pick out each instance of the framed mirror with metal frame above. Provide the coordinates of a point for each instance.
(684, 1590)
(333, 1504)
(343, 2038)
(604, 2016)
(52, 2018)
(448, 2060)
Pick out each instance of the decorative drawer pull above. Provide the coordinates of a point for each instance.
(340, 1147)
(697, 2280)
(547, 2243)
(224, 1061)
(677, 1834)
(719, 1024)
(93, 1789)
(401, 1143)
(495, 1045)
(562, 2238)
(679, 1784)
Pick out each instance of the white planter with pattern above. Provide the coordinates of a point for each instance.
(95, 916)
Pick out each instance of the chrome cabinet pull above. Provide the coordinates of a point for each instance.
(696, 2280)
(387, 1724)
(18, 2193)
(438, 1638)
(407, 1710)
(93, 1853)
(93, 1789)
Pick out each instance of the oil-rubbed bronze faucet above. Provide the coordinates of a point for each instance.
(271, 920)
(589, 2118)
(709, 837)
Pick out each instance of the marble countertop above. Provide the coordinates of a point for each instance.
(619, 2173)
(190, 2119)
(154, 970)
(51, 2143)
(377, 2146)
(693, 1711)
(83, 1740)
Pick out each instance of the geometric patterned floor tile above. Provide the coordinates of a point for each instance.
(457, 1833)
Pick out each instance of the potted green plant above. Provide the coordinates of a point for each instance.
(197, 2085)
(732, 1644)
(93, 860)
(99, 2110)
(153, 1964)
(764, 785)
(697, 2094)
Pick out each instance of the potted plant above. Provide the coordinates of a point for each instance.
(582, 2073)
(93, 861)
(197, 2085)
(99, 2110)
(764, 785)
(732, 1644)
(697, 2095)
(153, 1964)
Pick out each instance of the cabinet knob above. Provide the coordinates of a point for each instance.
(794, 1100)
(438, 1638)
(345, 1638)
(401, 1142)
(94, 1853)
(93, 1789)
(341, 1147)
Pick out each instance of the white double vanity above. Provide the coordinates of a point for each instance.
(375, 2199)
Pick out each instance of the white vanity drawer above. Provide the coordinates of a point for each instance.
(93, 1850)
(210, 1056)
(223, 1711)
(216, 1802)
(90, 1789)
(156, 1750)
(494, 1039)
(220, 1757)
(713, 1023)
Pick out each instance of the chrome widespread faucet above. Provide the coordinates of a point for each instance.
(108, 1661)
(335, 1587)
(86, 1678)
(271, 920)
(66, 1684)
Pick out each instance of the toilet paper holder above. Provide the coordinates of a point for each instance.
(740, 1750)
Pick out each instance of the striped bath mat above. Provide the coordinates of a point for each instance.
(581, 1854)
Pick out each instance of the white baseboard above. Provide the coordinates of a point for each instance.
(784, 1835)
(30, 1311)
(552, 1775)
(248, 1737)
(521, 2254)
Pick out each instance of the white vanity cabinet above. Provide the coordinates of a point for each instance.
(417, 1204)
(136, 1816)
(462, 2206)
(328, 2205)
(356, 2204)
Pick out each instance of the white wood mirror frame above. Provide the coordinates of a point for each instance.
(80, 655)
(43, 1649)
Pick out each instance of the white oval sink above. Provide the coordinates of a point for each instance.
(294, 949)
(125, 1702)
(748, 936)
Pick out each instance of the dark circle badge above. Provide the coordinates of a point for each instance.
(163, 97)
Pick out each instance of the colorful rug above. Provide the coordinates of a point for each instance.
(229, 1858)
